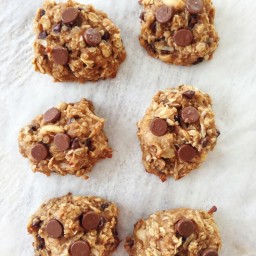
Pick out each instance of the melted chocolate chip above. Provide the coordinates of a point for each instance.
(142, 16)
(57, 28)
(36, 223)
(33, 128)
(205, 142)
(189, 94)
(176, 118)
(42, 12)
(153, 27)
(130, 242)
(42, 35)
(193, 19)
(75, 144)
(104, 206)
(89, 145)
(106, 36)
(102, 223)
(41, 243)
(199, 60)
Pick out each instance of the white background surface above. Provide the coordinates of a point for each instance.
(228, 177)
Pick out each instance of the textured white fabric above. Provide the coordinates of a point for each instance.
(227, 179)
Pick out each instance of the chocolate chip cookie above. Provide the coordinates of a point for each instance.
(75, 226)
(179, 232)
(76, 42)
(67, 139)
(177, 132)
(180, 32)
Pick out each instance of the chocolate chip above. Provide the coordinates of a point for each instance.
(75, 144)
(90, 221)
(39, 152)
(209, 252)
(185, 228)
(186, 153)
(190, 115)
(164, 14)
(42, 12)
(54, 229)
(183, 37)
(142, 16)
(42, 35)
(89, 145)
(104, 206)
(62, 141)
(80, 248)
(194, 6)
(205, 142)
(52, 115)
(218, 132)
(41, 243)
(57, 28)
(189, 94)
(199, 60)
(60, 55)
(213, 210)
(158, 127)
(80, 8)
(153, 27)
(69, 15)
(92, 36)
(193, 19)
(106, 36)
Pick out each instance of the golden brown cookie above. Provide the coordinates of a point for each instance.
(177, 132)
(75, 42)
(67, 139)
(179, 32)
(179, 232)
(74, 226)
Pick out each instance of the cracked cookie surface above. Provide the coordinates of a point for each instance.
(177, 132)
(179, 32)
(76, 42)
(67, 139)
(179, 232)
(74, 226)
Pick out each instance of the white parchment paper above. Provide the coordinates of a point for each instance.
(228, 177)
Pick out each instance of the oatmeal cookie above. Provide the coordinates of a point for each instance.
(67, 139)
(179, 32)
(75, 42)
(177, 132)
(76, 226)
(179, 232)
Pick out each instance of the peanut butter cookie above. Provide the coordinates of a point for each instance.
(179, 232)
(74, 226)
(67, 139)
(177, 132)
(75, 42)
(180, 32)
